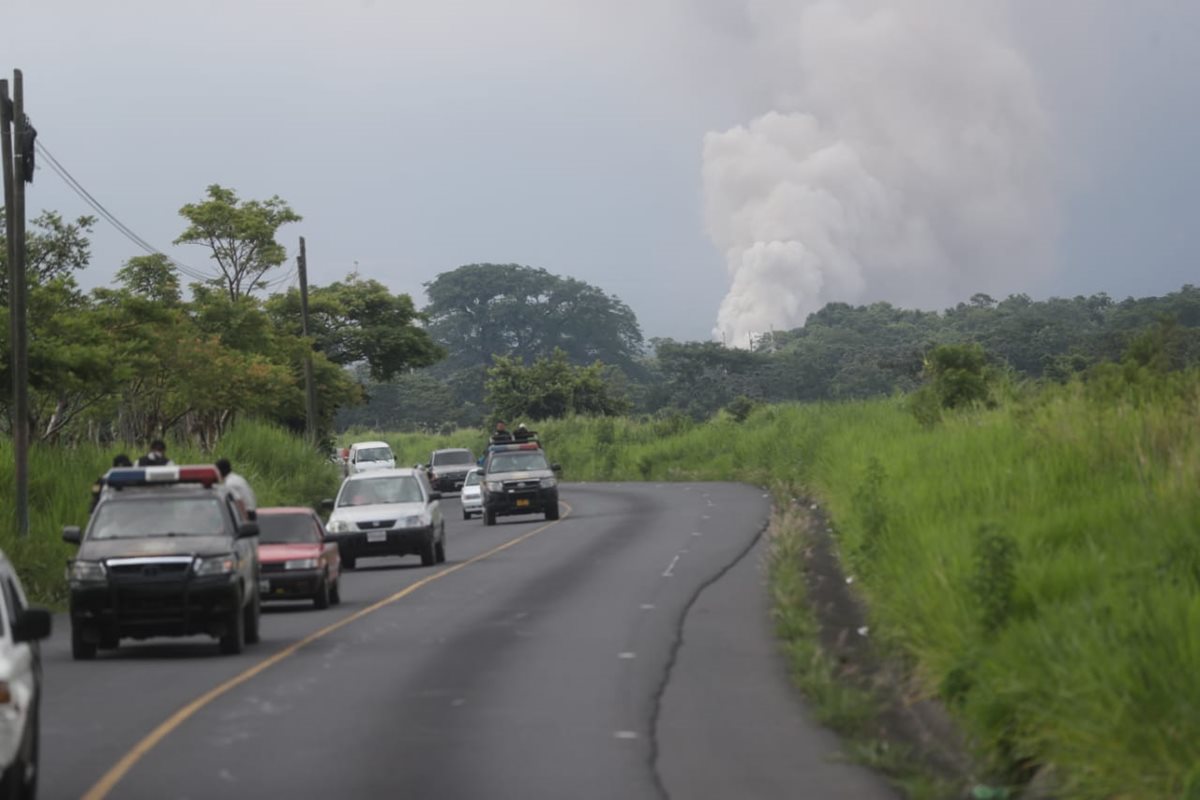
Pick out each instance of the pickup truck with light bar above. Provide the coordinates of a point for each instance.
(167, 552)
(517, 479)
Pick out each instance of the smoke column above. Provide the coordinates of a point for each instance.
(905, 159)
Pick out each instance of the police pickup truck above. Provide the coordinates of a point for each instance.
(517, 479)
(167, 552)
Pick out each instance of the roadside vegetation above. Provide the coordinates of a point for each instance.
(1033, 558)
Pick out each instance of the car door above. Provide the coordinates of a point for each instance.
(23, 659)
(246, 549)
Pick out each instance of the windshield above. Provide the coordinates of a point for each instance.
(287, 529)
(518, 462)
(472, 478)
(180, 516)
(374, 491)
(375, 454)
(453, 457)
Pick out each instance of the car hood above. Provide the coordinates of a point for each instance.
(527, 475)
(271, 553)
(378, 511)
(453, 469)
(99, 549)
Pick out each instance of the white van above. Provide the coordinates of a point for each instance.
(366, 456)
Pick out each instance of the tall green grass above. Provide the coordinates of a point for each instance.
(1038, 564)
(281, 468)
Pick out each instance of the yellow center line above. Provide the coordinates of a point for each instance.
(119, 770)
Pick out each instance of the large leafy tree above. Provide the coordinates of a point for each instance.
(239, 235)
(54, 248)
(480, 311)
(552, 387)
(360, 321)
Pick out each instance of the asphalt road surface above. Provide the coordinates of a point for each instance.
(624, 651)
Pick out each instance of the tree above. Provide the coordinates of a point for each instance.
(152, 277)
(551, 387)
(54, 248)
(480, 311)
(240, 235)
(360, 321)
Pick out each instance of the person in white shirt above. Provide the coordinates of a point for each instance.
(239, 487)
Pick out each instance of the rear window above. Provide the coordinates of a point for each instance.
(453, 457)
(287, 529)
(178, 516)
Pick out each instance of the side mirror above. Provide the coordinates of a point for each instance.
(72, 534)
(247, 530)
(435, 496)
(556, 467)
(31, 625)
(327, 504)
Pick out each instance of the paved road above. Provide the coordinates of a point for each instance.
(622, 652)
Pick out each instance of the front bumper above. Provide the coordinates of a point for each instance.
(141, 609)
(521, 501)
(397, 542)
(281, 584)
(451, 482)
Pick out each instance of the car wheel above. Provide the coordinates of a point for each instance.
(81, 650)
(489, 517)
(428, 554)
(253, 615)
(466, 514)
(335, 592)
(552, 511)
(439, 550)
(348, 562)
(234, 640)
(321, 599)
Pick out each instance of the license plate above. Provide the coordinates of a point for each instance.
(376, 536)
(522, 502)
(264, 586)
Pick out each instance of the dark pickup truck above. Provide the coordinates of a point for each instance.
(517, 479)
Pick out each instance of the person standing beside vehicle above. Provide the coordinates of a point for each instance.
(239, 487)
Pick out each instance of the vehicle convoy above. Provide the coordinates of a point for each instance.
(392, 512)
(367, 456)
(20, 685)
(448, 468)
(517, 479)
(166, 553)
(298, 560)
(471, 497)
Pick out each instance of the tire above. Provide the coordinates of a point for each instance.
(253, 615)
(489, 517)
(321, 598)
(348, 562)
(439, 550)
(466, 514)
(81, 650)
(234, 640)
(552, 512)
(428, 554)
(335, 592)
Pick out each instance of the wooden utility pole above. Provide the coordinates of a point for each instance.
(310, 388)
(18, 170)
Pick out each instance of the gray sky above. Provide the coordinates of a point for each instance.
(416, 137)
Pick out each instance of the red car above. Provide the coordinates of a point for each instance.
(298, 562)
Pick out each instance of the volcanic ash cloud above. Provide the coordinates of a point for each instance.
(906, 160)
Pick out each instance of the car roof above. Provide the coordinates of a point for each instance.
(399, 472)
(453, 450)
(372, 444)
(280, 510)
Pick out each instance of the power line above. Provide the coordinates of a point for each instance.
(111, 218)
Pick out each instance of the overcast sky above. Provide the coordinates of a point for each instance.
(745, 160)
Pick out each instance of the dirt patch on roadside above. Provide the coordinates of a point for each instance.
(907, 720)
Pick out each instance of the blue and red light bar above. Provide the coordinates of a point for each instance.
(505, 448)
(205, 474)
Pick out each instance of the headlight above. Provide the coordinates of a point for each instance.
(339, 526)
(214, 565)
(88, 571)
(411, 522)
(494, 486)
(301, 563)
(549, 483)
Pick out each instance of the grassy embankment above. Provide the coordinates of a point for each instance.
(1038, 564)
(281, 468)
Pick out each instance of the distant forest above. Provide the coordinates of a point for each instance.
(842, 352)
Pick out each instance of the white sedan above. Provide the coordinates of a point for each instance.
(20, 685)
(472, 495)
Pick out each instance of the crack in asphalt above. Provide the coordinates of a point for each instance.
(656, 704)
